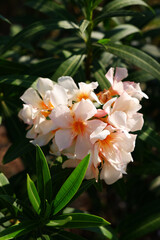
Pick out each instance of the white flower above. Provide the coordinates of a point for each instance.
(75, 94)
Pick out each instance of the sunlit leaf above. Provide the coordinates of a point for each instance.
(33, 195)
(71, 186)
(135, 57)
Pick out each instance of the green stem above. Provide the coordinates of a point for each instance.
(89, 48)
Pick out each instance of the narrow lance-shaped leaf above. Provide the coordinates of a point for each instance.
(69, 67)
(36, 29)
(118, 4)
(24, 81)
(135, 57)
(117, 13)
(4, 19)
(99, 75)
(44, 183)
(59, 222)
(33, 195)
(17, 230)
(150, 136)
(71, 185)
(83, 220)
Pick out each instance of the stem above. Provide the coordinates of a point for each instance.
(89, 48)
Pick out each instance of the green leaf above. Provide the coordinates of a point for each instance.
(99, 75)
(50, 8)
(84, 186)
(58, 223)
(25, 81)
(4, 19)
(10, 67)
(105, 232)
(44, 237)
(69, 67)
(10, 204)
(64, 235)
(135, 57)
(150, 136)
(84, 25)
(44, 183)
(118, 4)
(83, 220)
(33, 195)
(121, 31)
(17, 230)
(4, 183)
(140, 76)
(71, 185)
(145, 221)
(17, 149)
(108, 14)
(36, 29)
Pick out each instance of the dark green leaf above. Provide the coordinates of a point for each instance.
(58, 223)
(17, 149)
(33, 195)
(71, 186)
(83, 220)
(7, 67)
(18, 80)
(17, 230)
(4, 19)
(36, 29)
(108, 14)
(64, 235)
(121, 31)
(135, 57)
(99, 75)
(118, 4)
(145, 221)
(69, 67)
(104, 232)
(44, 183)
(140, 76)
(150, 136)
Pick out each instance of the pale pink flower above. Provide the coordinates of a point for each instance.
(74, 126)
(118, 87)
(112, 151)
(122, 113)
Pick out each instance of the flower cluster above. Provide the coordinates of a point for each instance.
(79, 122)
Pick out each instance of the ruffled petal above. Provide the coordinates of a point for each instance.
(109, 174)
(67, 82)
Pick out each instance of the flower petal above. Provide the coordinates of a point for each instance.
(109, 174)
(120, 74)
(30, 96)
(61, 116)
(58, 96)
(83, 146)
(64, 138)
(109, 75)
(43, 85)
(84, 110)
(67, 82)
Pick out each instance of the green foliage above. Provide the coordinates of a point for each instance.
(43, 207)
(82, 39)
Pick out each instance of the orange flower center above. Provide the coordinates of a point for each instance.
(106, 95)
(79, 127)
(82, 95)
(46, 110)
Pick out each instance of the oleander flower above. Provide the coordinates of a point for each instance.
(74, 126)
(75, 94)
(118, 87)
(112, 150)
